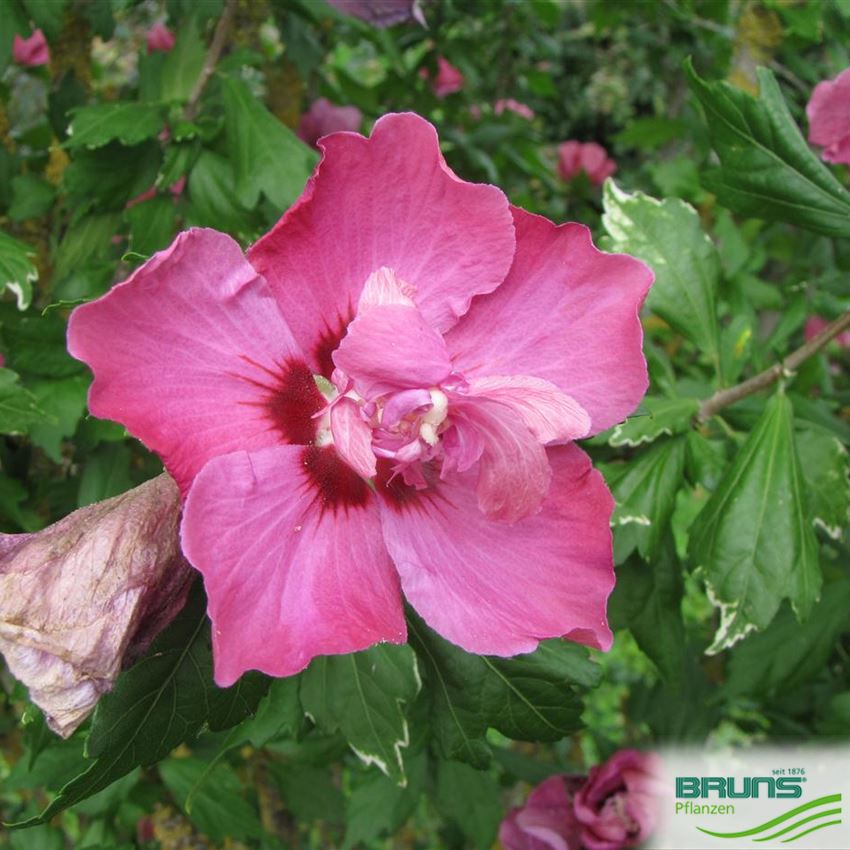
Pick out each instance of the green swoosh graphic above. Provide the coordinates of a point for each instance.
(821, 801)
(809, 819)
(813, 829)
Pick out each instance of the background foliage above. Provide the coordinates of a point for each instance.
(730, 531)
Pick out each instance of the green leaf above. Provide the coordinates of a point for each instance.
(217, 806)
(64, 401)
(664, 416)
(788, 653)
(767, 170)
(826, 470)
(152, 224)
(471, 799)
(268, 157)
(648, 601)
(754, 538)
(668, 236)
(106, 473)
(32, 197)
(377, 806)
(279, 714)
(364, 695)
(126, 122)
(213, 200)
(533, 697)
(17, 273)
(182, 64)
(36, 345)
(645, 491)
(161, 702)
(19, 409)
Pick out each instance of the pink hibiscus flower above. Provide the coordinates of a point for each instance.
(589, 157)
(159, 37)
(828, 111)
(815, 324)
(462, 343)
(447, 80)
(324, 117)
(31, 52)
(618, 805)
(515, 106)
(547, 820)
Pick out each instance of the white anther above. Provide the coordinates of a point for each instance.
(435, 417)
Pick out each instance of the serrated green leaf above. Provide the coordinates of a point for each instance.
(17, 273)
(126, 122)
(213, 200)
(826, 470)
(182, 64)
(663, 416)
(19, 409)
(788, 653)
(767, 170)
(533, 697)
(647, 600)
(754, 538)
(377, 806)
(268, 158)
(161, 702)
(471, 799)
(64, 401)
(364, 695)
(645, 491)
(217, 806)
(668, 236)
(36, 346)
(32, 197)
(152, 224)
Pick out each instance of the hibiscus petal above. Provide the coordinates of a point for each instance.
(829, 120)
(497, 589)
(550, 415)
(192, 355)
(567, 313)
(392, 201)
(89, 593)
(353, 437)
(391, 348)
(514, 472)
(289, 542)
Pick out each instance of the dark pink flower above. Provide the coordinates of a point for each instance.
(381, 13)
(462, 343)
(815, 324)
(618, 805)
(85, 595)
(32, 51)
(828, 111)
(159, 37)
(547, 820)
(512, 105)
(447, 80)
(324, 117)
(589, 157)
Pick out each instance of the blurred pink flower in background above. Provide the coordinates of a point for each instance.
(159, 37)
(828, 111)
(459, 339)
(448, 79)
(613, 808)
(815, 324)
(589, 157)
(31, 52)
(324, 117)
(547, 820)
(617, 806)
(381, 13)
(511, 105)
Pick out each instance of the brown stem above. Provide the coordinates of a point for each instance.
(222, 30)
(723, 398)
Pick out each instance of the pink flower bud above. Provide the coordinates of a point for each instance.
(589, 157)
(159, 37)
(31, 52)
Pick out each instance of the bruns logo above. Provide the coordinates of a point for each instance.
(736, 788)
